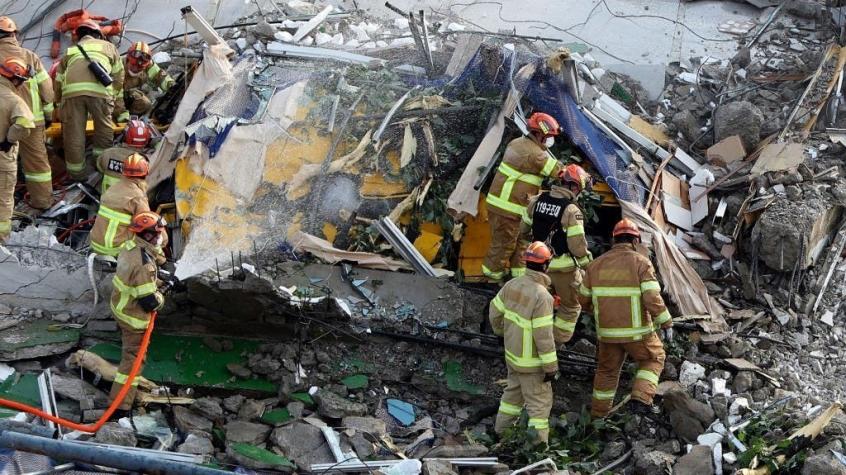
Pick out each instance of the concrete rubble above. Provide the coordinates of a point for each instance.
(301, 336)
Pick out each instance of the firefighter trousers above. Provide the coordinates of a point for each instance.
(8, 180)
(566, 286)
(75, 112)
(529, 390)
(649, 356)
(36, 168)
(503, 251)
(130, 345)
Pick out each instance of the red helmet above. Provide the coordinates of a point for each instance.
(88, 25)
(139, 55)
(137, 134)
(136, 166)
(573, 173)
(147, 221)
(14, 68)
(538, 253)
(626, 227)
(543, 123)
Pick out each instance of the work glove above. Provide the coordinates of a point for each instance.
(123, 117)
(556, 301)
(551, 377)
(667, 334)
(169, 281)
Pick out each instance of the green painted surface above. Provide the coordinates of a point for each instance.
(276, 416)
(303, 398)
(20, 388)
(454, 375)
(262, 455)
(356, 381)
(36, 333)
(186, 360)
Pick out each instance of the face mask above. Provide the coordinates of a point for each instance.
(549, 142)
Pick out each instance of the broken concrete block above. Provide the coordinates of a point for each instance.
(697, 462)
(728, 150)
(438, 467)
(303, 443)
(208, 407)
(71, 387)
(458, 451)
(686, 123)
(688, 417)
(823, 464)
(334, 406)
(112, 433)
(739, 118)
(246, 432)
(691, 373)
(187, 421)
(29, 340)
(257, 458)
(651, 462)
(791, 231)
(233, 403)
(196, 445)
(369, 425)
(251, 410)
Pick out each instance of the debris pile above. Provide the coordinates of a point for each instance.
(315, 156)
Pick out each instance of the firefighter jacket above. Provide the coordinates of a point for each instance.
(37, 91)
(136, 291)
(110, 164)
(118, 205)
(15, 124)
(624, 293)
(73, 77)
(519, 176)
(554, 216)
(153, 75)
(522, 314)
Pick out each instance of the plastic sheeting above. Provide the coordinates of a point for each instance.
(549, 94)
(490, 71)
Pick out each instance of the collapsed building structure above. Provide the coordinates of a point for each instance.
(322, 174)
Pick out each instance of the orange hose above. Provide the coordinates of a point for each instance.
(92, 428)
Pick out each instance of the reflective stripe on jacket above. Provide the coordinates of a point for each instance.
(522, 313)
(15, 125)
(135, 278)
(118, 205)
(519, 176)
(624, 293)
(154, 76)
(572, 221)
(75, 79)
(37, 91)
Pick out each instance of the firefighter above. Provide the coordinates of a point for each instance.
(81, 92)
(137, 293)
(554, 217)
(142, 72)
(621, 288)
(524, 165)
(522, 314)
(38, 95)
(122, 201)
(136, 137)
(16, 123)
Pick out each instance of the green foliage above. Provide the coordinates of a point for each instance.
(588, 202)
(574, 445)
(767, 444)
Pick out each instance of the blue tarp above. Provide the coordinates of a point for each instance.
(548, 93)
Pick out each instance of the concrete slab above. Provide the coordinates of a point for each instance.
(638, 32)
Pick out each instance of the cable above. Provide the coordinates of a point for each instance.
(124, 390)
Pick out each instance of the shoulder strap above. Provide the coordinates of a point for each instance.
(84, 53)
